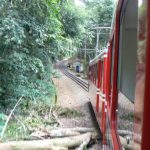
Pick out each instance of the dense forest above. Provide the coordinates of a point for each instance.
(34, 34)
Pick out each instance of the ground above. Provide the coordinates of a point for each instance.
(72, 96)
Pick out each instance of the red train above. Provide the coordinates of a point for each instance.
(121, 72)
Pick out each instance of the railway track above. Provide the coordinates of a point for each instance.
(80, 82)
(85, 86)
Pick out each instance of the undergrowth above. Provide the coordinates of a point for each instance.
(36, 116)
(128, 116)
(56, 74)
(67, 112)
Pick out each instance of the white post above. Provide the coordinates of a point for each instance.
(97, 41)
(98, 30)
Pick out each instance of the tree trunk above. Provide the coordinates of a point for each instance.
(78, 129)
(54, 134)
(125, 132)
(48, 144)
(125, 144)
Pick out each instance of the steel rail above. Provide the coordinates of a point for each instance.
(80, 82)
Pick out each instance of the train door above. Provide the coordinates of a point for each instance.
(109, 81)
(100, 90)
(127, 61)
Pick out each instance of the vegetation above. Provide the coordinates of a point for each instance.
(129, 116)
(37, 117)
(66, 112)
(100, 14)
(34, 34)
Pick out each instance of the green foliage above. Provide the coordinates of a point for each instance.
(128, 116)
(16, 131)
(27, 119)
(71, 20)
(27, 33)
(33, 35)
(37, 116)
(56, 74)
(75, 23)
(100, 13)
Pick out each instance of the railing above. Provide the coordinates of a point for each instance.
(80, 82)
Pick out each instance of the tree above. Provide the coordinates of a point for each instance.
(33, 35)
(27, 29)
(100, 13)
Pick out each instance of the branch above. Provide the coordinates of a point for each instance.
(3, 131)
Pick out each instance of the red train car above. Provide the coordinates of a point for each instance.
(121, 73)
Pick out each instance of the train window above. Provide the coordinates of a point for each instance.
(127, 65)
(97, 74)
(128, 48)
